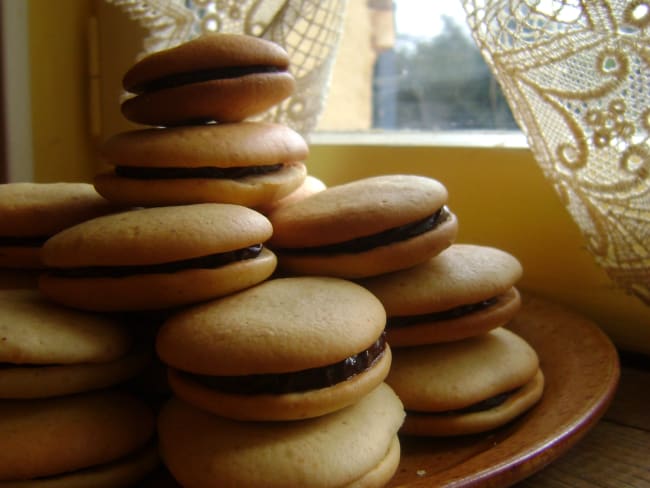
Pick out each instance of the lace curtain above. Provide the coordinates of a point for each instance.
(577, 77)
(308, 29)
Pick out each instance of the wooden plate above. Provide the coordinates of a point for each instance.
(581, 369)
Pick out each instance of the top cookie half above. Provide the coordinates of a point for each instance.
(216, 77)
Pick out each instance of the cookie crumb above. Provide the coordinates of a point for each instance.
(421, 472)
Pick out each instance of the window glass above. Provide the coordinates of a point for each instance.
(412, 65)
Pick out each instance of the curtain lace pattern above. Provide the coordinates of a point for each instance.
(577, 77)
(309, 30)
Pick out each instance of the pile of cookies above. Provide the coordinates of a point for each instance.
(273, 301)
(63, 370)
(455, 368)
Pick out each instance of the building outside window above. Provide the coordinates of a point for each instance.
(412, 65)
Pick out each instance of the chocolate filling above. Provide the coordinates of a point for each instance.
(298, 381)
(482, 406)
(452, 313)
(180, 79)
(389, 236)
(211, 261)
(487, 404)
(25, 241)
(159, 173)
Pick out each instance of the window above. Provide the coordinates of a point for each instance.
(411, 65)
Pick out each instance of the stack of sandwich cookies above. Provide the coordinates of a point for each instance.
(455, 367)
(33, 212)
(199, 95)
(157, 258)
(364, 228)
(281, 384)
(286, 349)
(199, 175)
(296, 357)
(62, 421)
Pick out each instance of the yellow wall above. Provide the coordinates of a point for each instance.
(59, 53)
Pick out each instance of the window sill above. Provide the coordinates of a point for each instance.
(469, 139)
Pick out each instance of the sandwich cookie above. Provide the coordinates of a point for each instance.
(464, 291)
(364, 228)
(288, 348)
(102, 439)
(30, 213)
(356, 446)
(157, 258)
(216, 77)
(49, 350)
(467, 386)
(247, 163)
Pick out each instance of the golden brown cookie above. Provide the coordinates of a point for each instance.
(157, 258)
(49, 350)
(216, 77)
(467, 386)
(288, 348)
(364, 228)
(464, 291)
(247, 163)
(356, 446)
(30, 213)
(102, 439)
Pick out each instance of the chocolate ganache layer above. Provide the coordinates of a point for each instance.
(482, 406)
(200, 76)
(386, 237)
(298, 381)
(160, 173)
(487, 404)
(452, 313)
(205, 262)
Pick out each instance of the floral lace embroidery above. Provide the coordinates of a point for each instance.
(576, 74)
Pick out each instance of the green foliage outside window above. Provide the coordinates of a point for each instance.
(440, 83)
